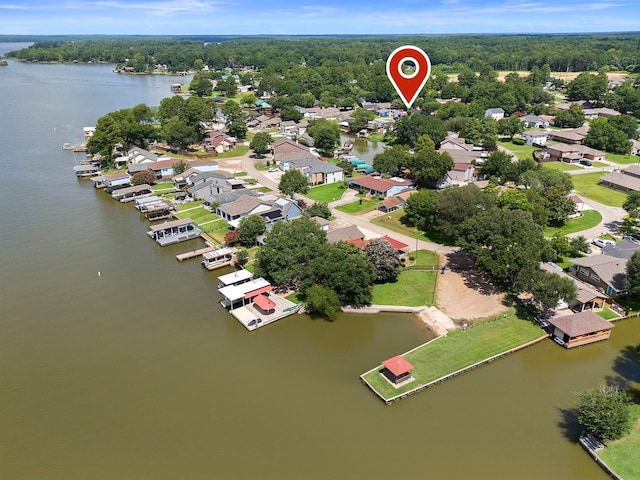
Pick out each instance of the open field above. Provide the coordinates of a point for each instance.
(589, 219)
(393, 223)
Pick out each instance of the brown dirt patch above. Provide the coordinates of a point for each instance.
(463, 293)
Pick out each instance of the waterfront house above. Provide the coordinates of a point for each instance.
(114, 181)
(243, 293)
(587, 297)
(580, 329)
(460, 174)
(207, 184)
(397, 370)
(604, 272)
(168, 233)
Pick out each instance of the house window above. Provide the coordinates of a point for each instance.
(584, 272)
(595, 277)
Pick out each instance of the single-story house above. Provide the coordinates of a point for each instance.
(571, 137)
(534, 121)
(344, 234)
(376, 185)
(390, 204)
(580, 329)
(604, 272)
(626, 180)
(573, 153)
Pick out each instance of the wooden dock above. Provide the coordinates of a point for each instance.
(195, 253)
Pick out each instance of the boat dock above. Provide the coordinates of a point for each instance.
(195, 253)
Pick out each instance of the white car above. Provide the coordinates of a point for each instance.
(599, 242)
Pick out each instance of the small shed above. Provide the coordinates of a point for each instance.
(397, 370)
(580, 329)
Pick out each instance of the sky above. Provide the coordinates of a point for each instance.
(300, 17)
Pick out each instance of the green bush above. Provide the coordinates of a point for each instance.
(517, 141)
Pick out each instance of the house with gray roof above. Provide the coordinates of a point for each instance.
(534, 121)
(344, 234)
(207, 184)
(627, 180)
(625, 248)
(604, 272)
(495, 113)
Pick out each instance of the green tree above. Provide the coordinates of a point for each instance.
(143, 177)
(178, 133)
(291, 113)
(322, 301)
(346, 167)
(632, 204)
(384, 258)
(242, 257)
(420, 208)
(261, 143)
(227, 86)
(292, 182)
(201, 84)
(343, 268)
(505, 243)
(360, 117)
(250, 228)
(236, 123)
(428, 166)
(318, 209)
(325, 134)
(510, 126)
(632, 280)
(455, 205)
(288, 251)
(497, 164)
(179, 167)
(410, 128)
(550, 289)
(571, 118)
(389, 161)
(605, 412)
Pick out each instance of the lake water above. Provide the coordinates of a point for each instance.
(139, 373)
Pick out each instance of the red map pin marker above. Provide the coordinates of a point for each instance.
(409, 85)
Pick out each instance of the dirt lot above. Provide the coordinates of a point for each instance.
(463, 293)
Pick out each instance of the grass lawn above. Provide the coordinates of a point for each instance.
(460, 349)
(589, 219)
(560, 166)
(587, 185)
(198, 215)
(217, 230)
(239, 151)
(414, 287)
(630, 303)
(261, 167)
(393, 222)
(622, 159)
(359, 206)
(264, 189)
(520, 151)
(326, 193)
(607, 314)
(164, 187)
(188, 205)
(622, 455)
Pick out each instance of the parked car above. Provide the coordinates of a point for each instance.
(600, 242)
(585, 162)
(273, 169)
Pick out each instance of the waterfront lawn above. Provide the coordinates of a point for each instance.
(587, 185)
(607, 314)
(217, 230)
(622, 455)
(326, 193)
(460, 349)
(588, 219)
(188, 205)
(414, 287)
(163, 187)
(559, 166)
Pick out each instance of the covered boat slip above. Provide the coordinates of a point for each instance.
(263, 311)
(86, 169)
(241, 294)
(218, 258)
(129, 194)
(168, 233)
(235, 278)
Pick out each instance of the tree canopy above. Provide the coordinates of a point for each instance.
(292, 182)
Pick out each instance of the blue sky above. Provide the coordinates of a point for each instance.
(244, 17)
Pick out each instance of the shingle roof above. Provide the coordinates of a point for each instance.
(398, 365)
(580, 323)
(611, 270)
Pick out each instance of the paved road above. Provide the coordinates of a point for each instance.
(611, 220)
(359, 221)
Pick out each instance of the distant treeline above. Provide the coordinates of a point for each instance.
(500, 52)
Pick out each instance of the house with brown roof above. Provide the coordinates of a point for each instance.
(344, 234)
(580, 329)
(628, 180)
(572, 153)
(376, 185)
(390, 204)
(604, 272)
(571, 136)
(587, 297)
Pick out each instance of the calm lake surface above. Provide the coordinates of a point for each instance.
(139, 373)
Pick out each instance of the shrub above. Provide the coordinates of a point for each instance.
(517, 141)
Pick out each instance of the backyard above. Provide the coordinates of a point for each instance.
(520, 151)
(326, 193)
(622, 455)
(460, 349)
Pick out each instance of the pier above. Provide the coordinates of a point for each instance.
(195, 253)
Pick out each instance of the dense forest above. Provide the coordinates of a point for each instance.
(500, 52)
